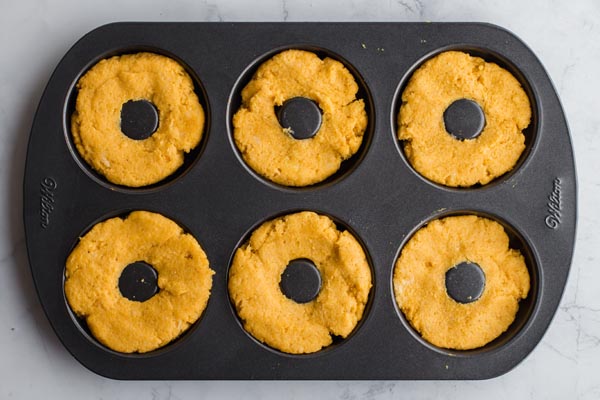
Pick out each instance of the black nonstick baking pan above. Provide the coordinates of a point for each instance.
(376, 194)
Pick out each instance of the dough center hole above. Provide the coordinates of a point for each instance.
(300, 116)
(464, 119)
(138, 281)
(139, 119)
(465, 282)
(300, 281)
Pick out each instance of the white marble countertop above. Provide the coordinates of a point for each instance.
(35, 34)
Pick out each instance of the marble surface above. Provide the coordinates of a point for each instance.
(35, 34)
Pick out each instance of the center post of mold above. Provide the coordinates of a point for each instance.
(464, 119)
(301, 281)
(465, 282)
(138, 281)
(300, 116)
(139, 119)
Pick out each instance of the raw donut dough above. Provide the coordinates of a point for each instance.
(439, 156)
(92, 281)
(273, 152)
(420, 289)
(96, 122)
(271, 317)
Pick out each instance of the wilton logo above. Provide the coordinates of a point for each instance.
(47, 188)
(553, 219)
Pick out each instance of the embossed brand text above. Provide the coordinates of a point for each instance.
(47, 188)
(553, 218)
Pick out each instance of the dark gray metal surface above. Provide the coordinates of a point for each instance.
(376, 194)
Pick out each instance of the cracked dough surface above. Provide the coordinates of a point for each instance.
(96, 122)
(271, 317)
(271, 150)
(439, 156)
(420, 289)
(92, 281)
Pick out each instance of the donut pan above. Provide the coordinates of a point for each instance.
(376, 195)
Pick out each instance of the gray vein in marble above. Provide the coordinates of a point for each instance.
(415, 7)
(559, 353)
(565, 74)
(157, 394)
(212, 12)
(17, 247)
(378, 388)
(284, 10)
